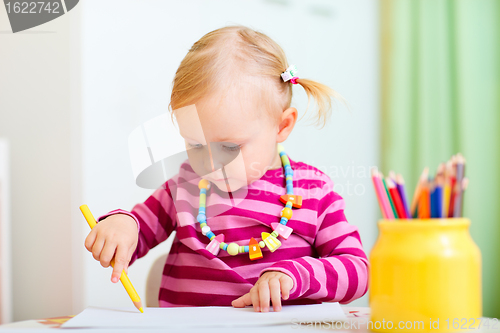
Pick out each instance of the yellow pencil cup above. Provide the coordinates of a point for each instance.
(425, 276)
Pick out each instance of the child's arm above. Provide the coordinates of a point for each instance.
(155, 219)
(340, 274)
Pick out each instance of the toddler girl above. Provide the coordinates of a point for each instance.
(253, 227)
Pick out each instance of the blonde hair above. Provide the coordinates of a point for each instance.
(210, 65)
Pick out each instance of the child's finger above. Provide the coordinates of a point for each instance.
(254, 296)
(242, 301)
(97, 248)
(264, 295)
(121, 263)
(89, 241)
(286, 284)
(275, 289)
(107, 253)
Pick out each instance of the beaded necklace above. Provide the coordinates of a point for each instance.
(270, 240)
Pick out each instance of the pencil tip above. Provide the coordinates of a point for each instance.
(465, 183)
(138, 305)
(400, 179)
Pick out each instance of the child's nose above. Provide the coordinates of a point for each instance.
(210, 164)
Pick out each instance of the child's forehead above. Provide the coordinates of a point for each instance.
(220, 123)
(228, 121)
(232, 111)
(231, 107)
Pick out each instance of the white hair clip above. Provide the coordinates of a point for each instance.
(289, 74)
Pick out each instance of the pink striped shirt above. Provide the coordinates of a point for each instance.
(323, 256)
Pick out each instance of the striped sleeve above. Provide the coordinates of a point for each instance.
(340, 273)
(155, 217)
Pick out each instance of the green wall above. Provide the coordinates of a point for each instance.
(440, 67)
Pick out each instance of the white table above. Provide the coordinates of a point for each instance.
(357, 318)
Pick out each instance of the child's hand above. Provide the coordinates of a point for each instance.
(115, 236)
(272, 286)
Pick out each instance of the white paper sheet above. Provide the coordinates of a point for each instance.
(216, 316)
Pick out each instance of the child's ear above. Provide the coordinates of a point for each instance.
(287, 123)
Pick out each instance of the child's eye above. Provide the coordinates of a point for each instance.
(195, 146)
(231, 148)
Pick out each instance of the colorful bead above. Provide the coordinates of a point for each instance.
(210, 234)
(201, 210)
(222, 245)
(204, 184)
(203, 199)
(286, 213)
(241, 249)
(201, 218)
(289, 204)
(204, 191)
(289, 188)
(284, 220)
(232, 249)
(295, 199)
(274, 234)
(282, 230)
(280, 148)
(272, 242)
(214, 245)
(225, 246)
(205, 230)
(254, 251)
(285, 160)
(202, 224)
(262, 244)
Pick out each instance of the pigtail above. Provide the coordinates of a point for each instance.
(322, 96)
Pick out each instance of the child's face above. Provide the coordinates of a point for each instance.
(233, 132)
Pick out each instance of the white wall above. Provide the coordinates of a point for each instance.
(130, 52)
(39, 117)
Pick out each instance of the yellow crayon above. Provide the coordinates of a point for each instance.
(124, 277)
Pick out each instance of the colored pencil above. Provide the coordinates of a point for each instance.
(432, 191)
(465, 183)
(424, 201)
(389, 197)
(438, 196)
(447, 189)
(453, 181)
(457, 208)
(418, 189)
(438, 191)
(385, 199)
(398, 204)
(378, 193)
(400, 184)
